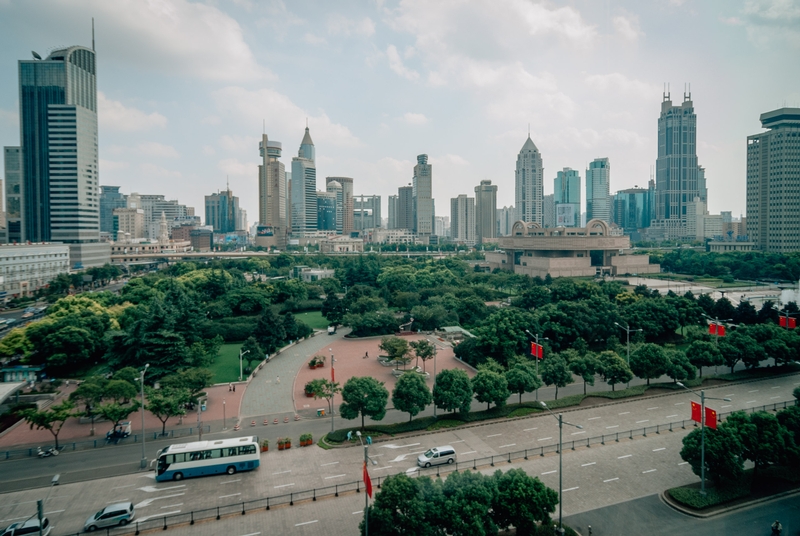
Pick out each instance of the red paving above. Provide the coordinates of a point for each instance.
(349, 354)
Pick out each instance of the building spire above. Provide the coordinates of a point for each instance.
(92, 34)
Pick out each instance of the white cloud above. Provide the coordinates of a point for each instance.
(396, 64)
(414, 119)
(152, 170)
(619, 83)
(159, 150)
(338, 24)
(232, 166)
(239, 144)
(112, 165)
(114, 115)
(772, 21)
(627, 28)
(312, 39)
(448, 160)
(208, 150)
(278, 110)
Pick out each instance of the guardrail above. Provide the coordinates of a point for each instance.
(266, 503)
(101, 442)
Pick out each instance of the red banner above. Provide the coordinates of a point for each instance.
(537, 350)
(712, 329)
(367, 481)
(696, 412)
(716, 329)
(792, 322)
(711, 418)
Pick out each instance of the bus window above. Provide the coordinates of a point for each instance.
(216, 453)
(232, 451)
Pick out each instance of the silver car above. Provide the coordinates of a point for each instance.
(113, 515)
(28, 528)
(437, 456)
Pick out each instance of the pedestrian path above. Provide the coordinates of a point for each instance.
(270, 390)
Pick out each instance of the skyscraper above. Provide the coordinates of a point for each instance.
(347, 203)
(366, 212)
(222, 211)
(393, 209)
(529, 183)
(773, 182)
(679, 179)
(12, 158)
(327, 211)
(58, 131)
(485, 212)
(110, 198)
(633, 209)
(462, 220)
(335, 188)
(423, 198)
(272, 192)
(505, 220)
(304, 188)
(405, 208)
(567, 198)
(598, 195)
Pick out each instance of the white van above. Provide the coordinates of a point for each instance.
(119, 514)
(437, 456)
(29, 528)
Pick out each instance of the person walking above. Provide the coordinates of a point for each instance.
(366, 355)
(278, 379)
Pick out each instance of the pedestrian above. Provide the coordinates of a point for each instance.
(230, 387)
(278, 380)
(366, 355)
(234, 387)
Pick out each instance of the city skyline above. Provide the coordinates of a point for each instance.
(426, 84)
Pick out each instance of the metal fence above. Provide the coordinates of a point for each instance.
(265, 503)
(102, 442)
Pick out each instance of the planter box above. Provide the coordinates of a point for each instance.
(264, 449)
(281, 447)
(287, 446)
(310, 395)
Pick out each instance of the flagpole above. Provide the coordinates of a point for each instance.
(367, 482)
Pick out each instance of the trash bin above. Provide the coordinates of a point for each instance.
(320, 413)
(203, 406)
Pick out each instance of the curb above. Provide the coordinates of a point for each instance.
(689, 512)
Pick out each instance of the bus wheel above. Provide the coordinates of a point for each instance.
(177, 476)
(231, 470)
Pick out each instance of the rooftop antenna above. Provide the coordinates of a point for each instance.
(264, 126)
(529, 130)
(227, 182)
(92, 34)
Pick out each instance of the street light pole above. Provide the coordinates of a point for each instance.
(143, 463)
(435, 351)
(224, 420)
(536, 357)
(241, 355)
(333, 382)
(628, 330)
(367, 459)
(561, 423)
(703, 434)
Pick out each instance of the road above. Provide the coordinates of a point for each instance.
(593, 477)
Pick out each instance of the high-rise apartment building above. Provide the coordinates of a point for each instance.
(505, 220)
(567, 198)
(366, 212)
(423, 199)
(679, 179)
(393, 208)
(59, 147)
(773, 182)
(222, 211)
(485, 212)
(462, 220)
(405, 208)
(327, 211)
(529, 183)
(549, 210)
(110, 199)
(335, 188)
(304, 188)
(347, 203)
(272, 192)
(153, 206)
(633, 209)
(12, 158)
(598, 194)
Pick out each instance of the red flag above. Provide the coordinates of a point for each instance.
(711, 418)
(721, 330)
(533, 349)
(537, 350)
(696, 411)
(792, 323)
(782, 321)
(367, 481)
(712, 329)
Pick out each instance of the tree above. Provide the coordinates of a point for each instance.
(424, 350)
(51, 419)
(166, 403)
(89, 393)
(333, 309)
(364, 396)
(291, 327)
(614, 369)
(411, 395)
(251, 351)
(522, 501)
(586, 367)
(405, 506)
(397, 348)
(452, 391)
(325, 389)
(522, 378)
(472, 496)
(649, 361)
(679, 368)
(195, 380)
(269, 331)
(555, 371)
(114, 412)
(763, 439)
(502, 335)
(745, 313)
(703, 354)
(723, 457)
(490, 386)
(120, 391)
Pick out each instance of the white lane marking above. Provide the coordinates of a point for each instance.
(648, 409)
(334, 476)
(777, 387)
(649, 471)
(282, 472)
(680, 403)
(55, 512)
(459, 441)
(121, 487)
(726, 406)
(402, 457)
(592, 418)
(615, 426)
(750, 402)
(284, 485)
(151, 489)
(624, 412)
(670, 416)
(753, 391)
(662, 448)
(611, 480)
(544, 438)
(172, 505)
(252, 534)
(116, 501)
(683, 463)
(494, 435)
(306, 523)
(468, 452)
(576, 433)
(640, 422)
(549, 472)
(226, 496)
(729, 394)
(331, 463)
(773, 397)
(626, 456)
(509, 445)
(393, 446)
(411, 469)
(588, 464)
(379, 468)
(147, 502)
(529, 429)
(359, 512)
(231, 481)
(572, 489)
(162, 514)
(14, 519)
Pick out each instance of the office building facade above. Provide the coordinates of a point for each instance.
(506, 217)
(366, 212)
(529, 183)
(15, 224)
(110, 198)
(567, 198)
(392, 208)
(485, 212)
(327, 211)
(423, 211)
(633, 209)
(598, 194)
(462, 220)
(405, 208)
(347, 202)
(337, 191)
(304, 188)
(773, 182)
(272, 192)
(222, 211)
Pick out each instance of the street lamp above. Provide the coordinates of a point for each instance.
(367, 459)
(241, 355)
(703, 397)
(435, 351)
(224, 420)
(536, 339)
(333, 381)
(628, 330)
(561, 423)
(40, 504)
(143, 464)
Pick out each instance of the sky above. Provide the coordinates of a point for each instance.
(187, 88)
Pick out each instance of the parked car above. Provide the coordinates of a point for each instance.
(29, 528)
(120, 431)
(437, 456)
(119, 514)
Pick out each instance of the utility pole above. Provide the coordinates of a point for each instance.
(536, 357)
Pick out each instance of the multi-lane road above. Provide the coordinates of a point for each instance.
(593, 478)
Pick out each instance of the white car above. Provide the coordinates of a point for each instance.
(29, 528)
(119, 514)
(437, 456)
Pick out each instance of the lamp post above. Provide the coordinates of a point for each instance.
(333, 381)
(561, 423)
(40, 504)
(703, 397)
(367, 459)
(241, 355)
(143, 464)
(628, 330)
(435, 351)
(224, 420)
(536, 339)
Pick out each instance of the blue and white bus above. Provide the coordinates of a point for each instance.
(199, 458)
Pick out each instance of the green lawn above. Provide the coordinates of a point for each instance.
(314, 319)
(226, 367)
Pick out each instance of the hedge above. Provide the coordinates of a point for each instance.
(691, 497)
(231, 329)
